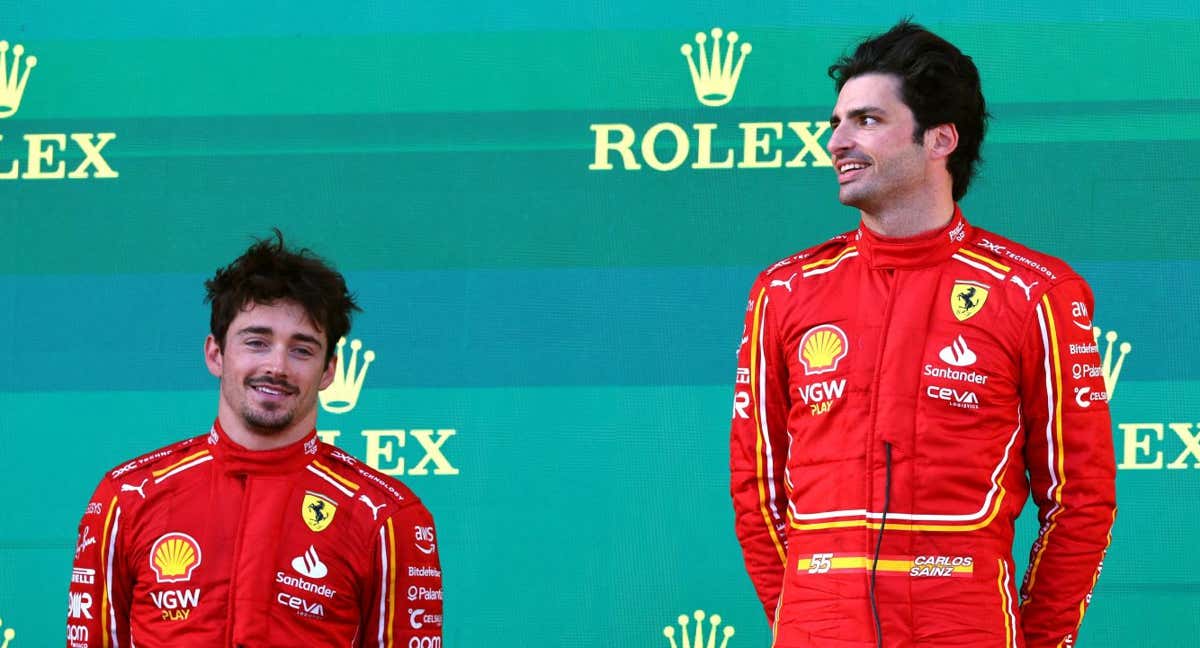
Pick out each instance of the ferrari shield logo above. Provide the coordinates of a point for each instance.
(317, 510)
(967, 298)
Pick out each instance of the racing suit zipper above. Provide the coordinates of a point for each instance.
(880, 354)
(241, 483)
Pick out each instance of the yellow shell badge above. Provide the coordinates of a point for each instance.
(317, 511)
(174, 557)
(822, 348)
(967, 298)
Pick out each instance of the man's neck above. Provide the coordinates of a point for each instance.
(238, 432)
(904, 219)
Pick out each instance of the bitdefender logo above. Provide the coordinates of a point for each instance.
(716, 69)
(387, 449)
(44, 153)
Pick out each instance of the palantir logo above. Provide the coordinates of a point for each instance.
(697, 640)
(715, 82)
(12, 81)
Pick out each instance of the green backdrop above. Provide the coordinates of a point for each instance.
(573, 326)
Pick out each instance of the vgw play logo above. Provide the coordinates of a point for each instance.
(45, 154)
(716, 68)
(394, 451)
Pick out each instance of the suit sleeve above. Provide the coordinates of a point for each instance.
(758, 449)
(1069, 454)
(98, 600)
(404, 605)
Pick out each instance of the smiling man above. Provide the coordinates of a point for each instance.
(256, 533)
(903, 388)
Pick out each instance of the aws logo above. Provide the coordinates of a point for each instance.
(386, 449)
(715, 69)
(45, 155)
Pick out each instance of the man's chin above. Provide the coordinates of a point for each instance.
(267, 424)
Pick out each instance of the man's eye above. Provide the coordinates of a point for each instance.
(303, 352)
(256, 344)
(868, 120)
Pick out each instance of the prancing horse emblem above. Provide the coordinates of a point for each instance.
(967, 298)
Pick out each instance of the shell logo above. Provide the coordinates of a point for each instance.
(822, 348)
(174, 557)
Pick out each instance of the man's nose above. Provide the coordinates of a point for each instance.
(839, 140)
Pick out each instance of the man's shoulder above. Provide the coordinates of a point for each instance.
(162, 458)
(1017, 259)
(801, 261)
(374, 489)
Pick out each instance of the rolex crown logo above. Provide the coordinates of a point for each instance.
(714, 77)
(8, 635)
(697, 640)
(342, 394)
(13, 80)
(1111, 369)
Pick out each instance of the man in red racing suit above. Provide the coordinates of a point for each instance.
(206, 543)
(256, 534)
(899, 397)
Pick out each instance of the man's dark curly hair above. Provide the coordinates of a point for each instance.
(269, 272)
(938, 83)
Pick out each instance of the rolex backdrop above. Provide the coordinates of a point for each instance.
(551, 214)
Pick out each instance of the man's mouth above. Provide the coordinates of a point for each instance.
(848, 169)
(273, 390)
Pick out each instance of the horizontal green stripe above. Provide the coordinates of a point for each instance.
(570, 70)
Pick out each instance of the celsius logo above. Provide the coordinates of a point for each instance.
(716, 68)
(40, 161)
(696, 638)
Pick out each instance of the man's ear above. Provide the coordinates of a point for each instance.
(213, 356)
(327, 376)
(941, 141)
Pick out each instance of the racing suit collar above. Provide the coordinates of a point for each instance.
(236, 458)
(916, 251)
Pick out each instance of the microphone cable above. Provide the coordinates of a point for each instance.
(887, 492)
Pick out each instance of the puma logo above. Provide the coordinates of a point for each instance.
(1021, 284)
(786, 284)
(371, 505)
(138, 489)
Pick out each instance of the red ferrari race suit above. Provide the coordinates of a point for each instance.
(939, 380)
(205, 543)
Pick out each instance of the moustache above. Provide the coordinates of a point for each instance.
(272, 382)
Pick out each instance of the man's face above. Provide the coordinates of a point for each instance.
(872, 144)
(271, 367)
